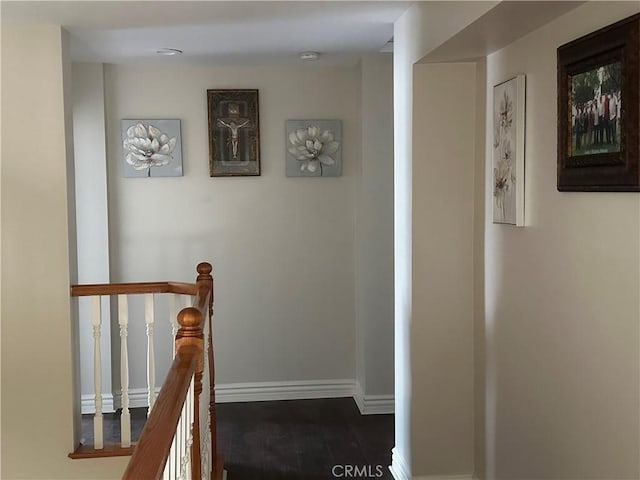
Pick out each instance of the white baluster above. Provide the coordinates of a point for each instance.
(96, 320)
(191, 400)
(179, 448)
(183, 443)
(187, 415)
(205, 417)
(125, 417)
(151, 369)
(169, 467)
(173, 318)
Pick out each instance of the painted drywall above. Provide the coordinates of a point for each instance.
(419, 30)
(478, 270)
(38, 387)
(402, 86)
(442, 266)
(92, 231)
(374, 232)
(562, 311)
(282, 248)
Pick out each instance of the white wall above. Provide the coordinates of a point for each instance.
(562, 311)
(442, 280)
(38, 385)
(478, 269)
(374, 233)
(91, 211)
(283, 249)
(402, 95)
(421, 29)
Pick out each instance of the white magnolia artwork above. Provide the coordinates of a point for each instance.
(152, 148)
(314, 148)
(508, 151)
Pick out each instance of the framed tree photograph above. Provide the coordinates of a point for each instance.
(598, 110)
(234, 132)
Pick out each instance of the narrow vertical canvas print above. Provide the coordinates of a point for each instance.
(508, 151)
(151, 148)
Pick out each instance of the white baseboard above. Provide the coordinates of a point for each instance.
(263, 391)
(138, 398)
(299, 390)
(88, 404)
(111, 402)
(399, 469)
(373, 404)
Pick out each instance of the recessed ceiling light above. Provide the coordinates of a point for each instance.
(309, 56)
(168, 51)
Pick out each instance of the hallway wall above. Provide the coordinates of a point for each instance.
(374, 234)
(283, 249)
(554, 305)
(424, 26)
(92, 229)
(562, 311)
(38, 258)
(442, 275)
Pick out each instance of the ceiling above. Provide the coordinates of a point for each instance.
(216, 32)
(497, 28)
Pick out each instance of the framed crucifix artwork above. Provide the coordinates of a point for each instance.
(234, 133)
(598, 110)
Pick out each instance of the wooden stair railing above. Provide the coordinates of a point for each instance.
(173, 443)
(193, 362)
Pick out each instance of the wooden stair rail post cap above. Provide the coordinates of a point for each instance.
(190, 334)
(190, 320)
(204, 268)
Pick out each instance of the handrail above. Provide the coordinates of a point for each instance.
(180, 288)
(152, 450)
(184, 381)
(204, 282)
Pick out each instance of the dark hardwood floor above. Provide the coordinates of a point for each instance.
(303, 440)
(292, 439)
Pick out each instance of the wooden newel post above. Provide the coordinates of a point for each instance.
(205, 281)
(190, 335)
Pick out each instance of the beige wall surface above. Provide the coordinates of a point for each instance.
(283, 249)
(37, 383)
(374, 229)
(478, 270)
(92, 231)
(422, 28)
(442, 316)
(562, 309)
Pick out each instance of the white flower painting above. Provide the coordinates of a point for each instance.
(151, 148)
(313, 148)
(508, 151)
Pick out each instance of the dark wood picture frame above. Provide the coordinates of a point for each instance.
(234, 132)
(614, 167)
